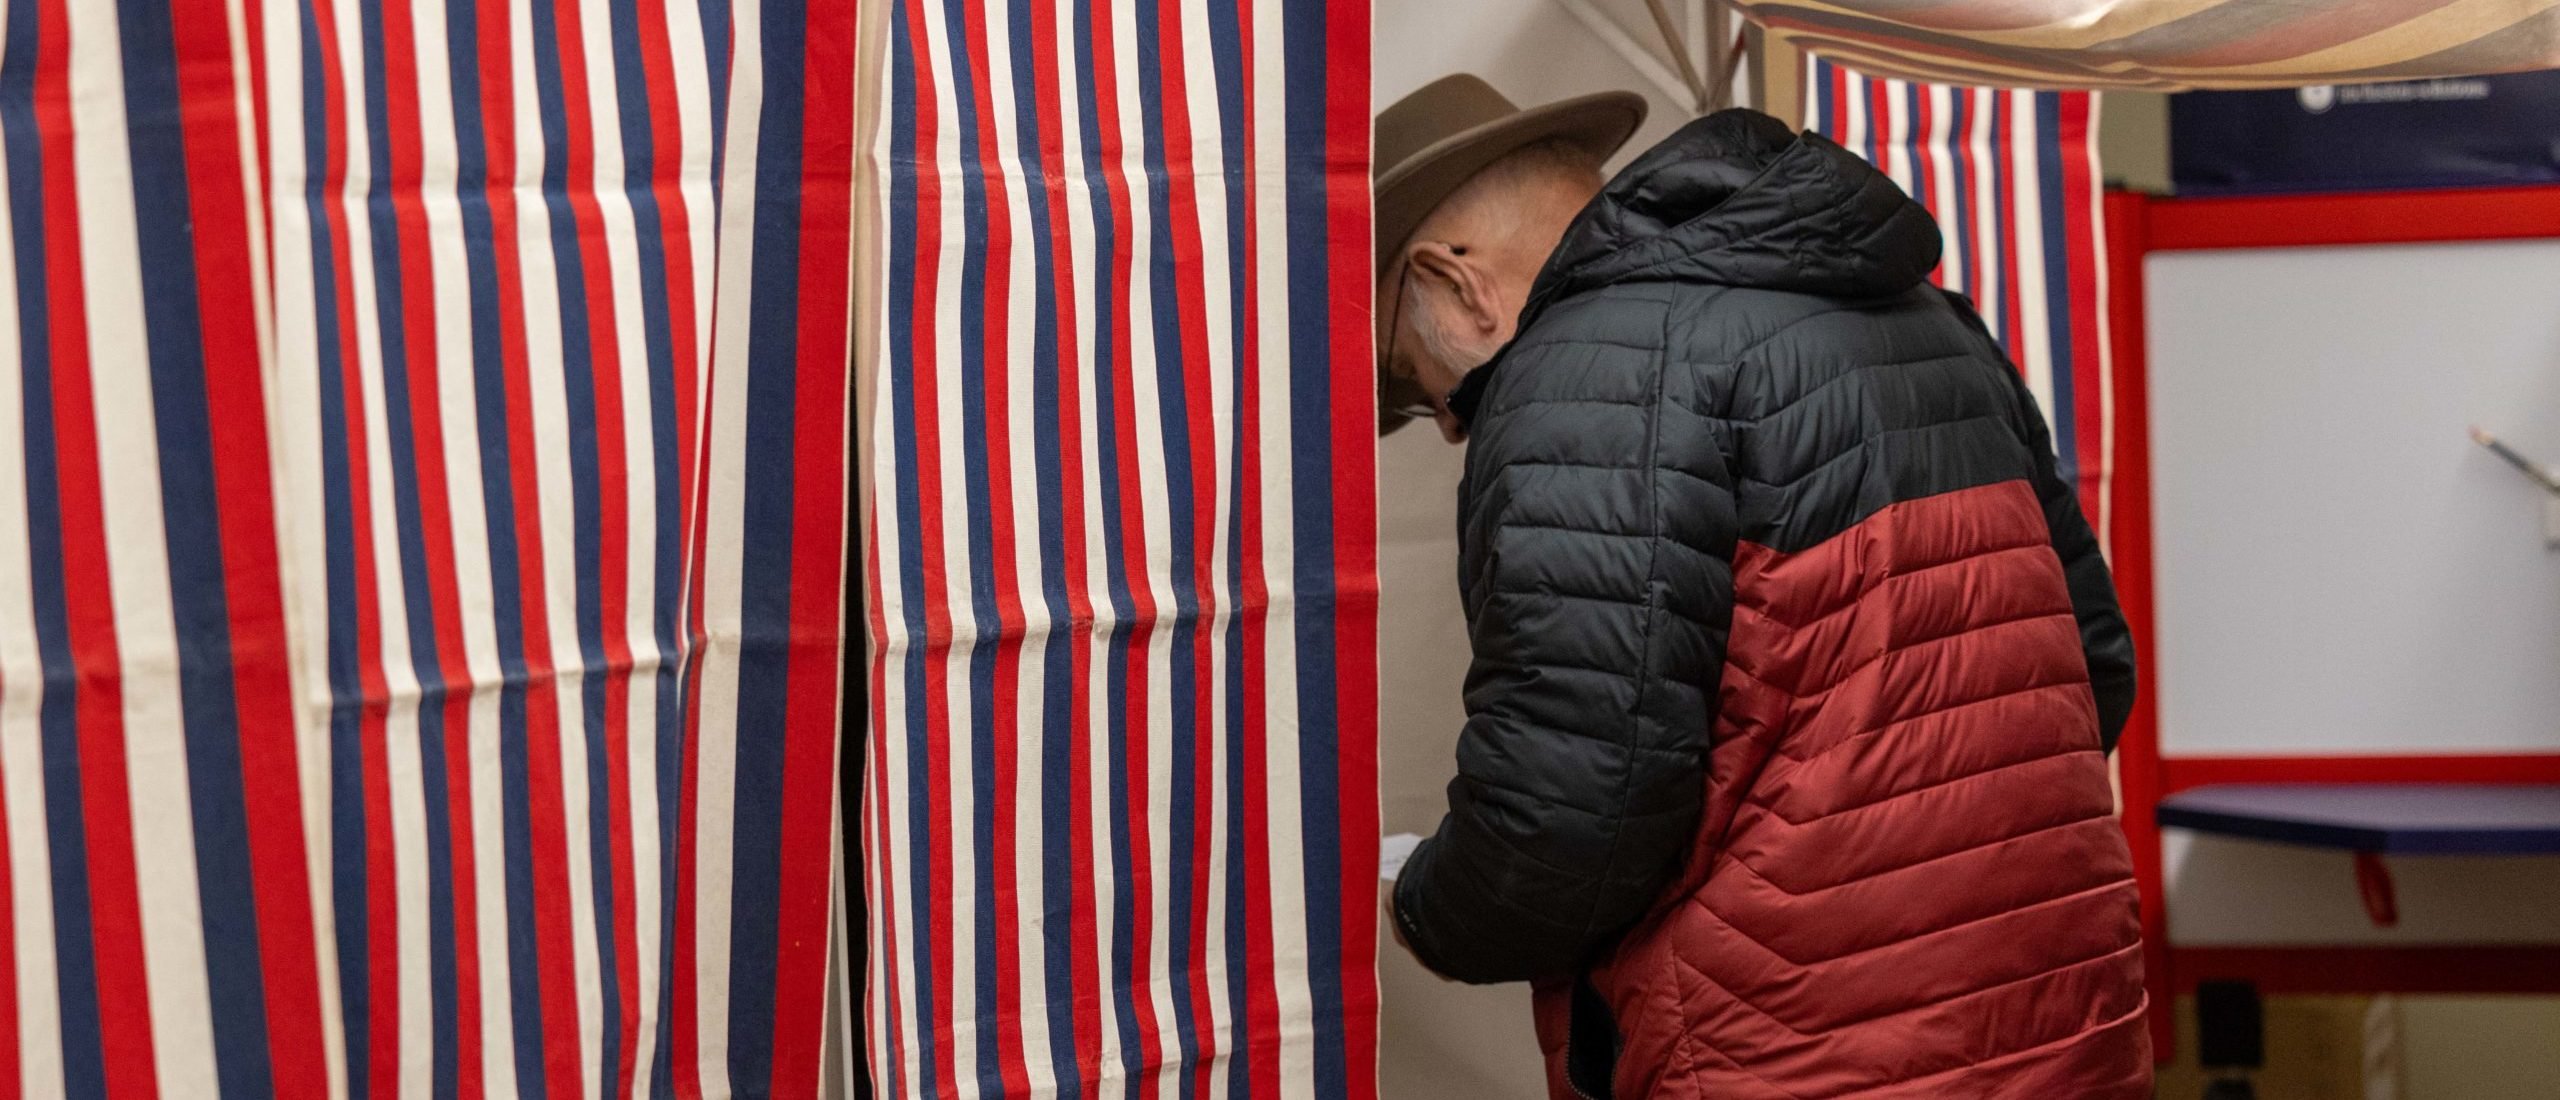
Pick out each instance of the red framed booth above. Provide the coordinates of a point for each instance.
(2137, 227)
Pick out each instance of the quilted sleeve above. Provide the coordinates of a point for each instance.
(2104, 638)
(1597, 533)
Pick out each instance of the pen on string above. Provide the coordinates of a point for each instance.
(2540, 474)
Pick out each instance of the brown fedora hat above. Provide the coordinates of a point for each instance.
(1432, 141)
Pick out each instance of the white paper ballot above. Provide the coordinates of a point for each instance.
(1393, 850)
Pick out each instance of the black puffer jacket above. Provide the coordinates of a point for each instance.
(1732, 351)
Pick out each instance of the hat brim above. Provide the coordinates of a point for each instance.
(1407, 193)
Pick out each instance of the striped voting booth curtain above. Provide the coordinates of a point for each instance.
(1120, 828)
(423, 509)
(2013, 178)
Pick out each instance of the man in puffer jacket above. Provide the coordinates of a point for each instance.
(1795, 663)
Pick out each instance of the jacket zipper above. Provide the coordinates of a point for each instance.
(1572, 1026)
(1571, 1081)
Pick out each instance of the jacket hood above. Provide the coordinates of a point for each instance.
(1738, 199)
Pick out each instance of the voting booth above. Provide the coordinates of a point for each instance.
(2344, 775)
(823, 548)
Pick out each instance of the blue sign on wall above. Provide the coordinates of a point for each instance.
(2469, 132)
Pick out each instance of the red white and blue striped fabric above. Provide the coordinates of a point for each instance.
(423, 491)
(2013, 178)
(1121, 826)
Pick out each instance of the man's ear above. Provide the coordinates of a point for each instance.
(1462, 275)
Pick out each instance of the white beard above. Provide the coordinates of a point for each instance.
(1461, 350)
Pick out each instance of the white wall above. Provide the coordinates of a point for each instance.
(2133, 140)
(1534, 51)
(2480, 1048)
(2340, 569)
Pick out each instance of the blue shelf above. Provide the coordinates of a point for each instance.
(2413, 819)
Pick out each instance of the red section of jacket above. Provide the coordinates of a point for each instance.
(1908, 881)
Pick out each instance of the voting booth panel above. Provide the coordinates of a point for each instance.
(2341, 771)
(1120, 832)
(423, 485)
